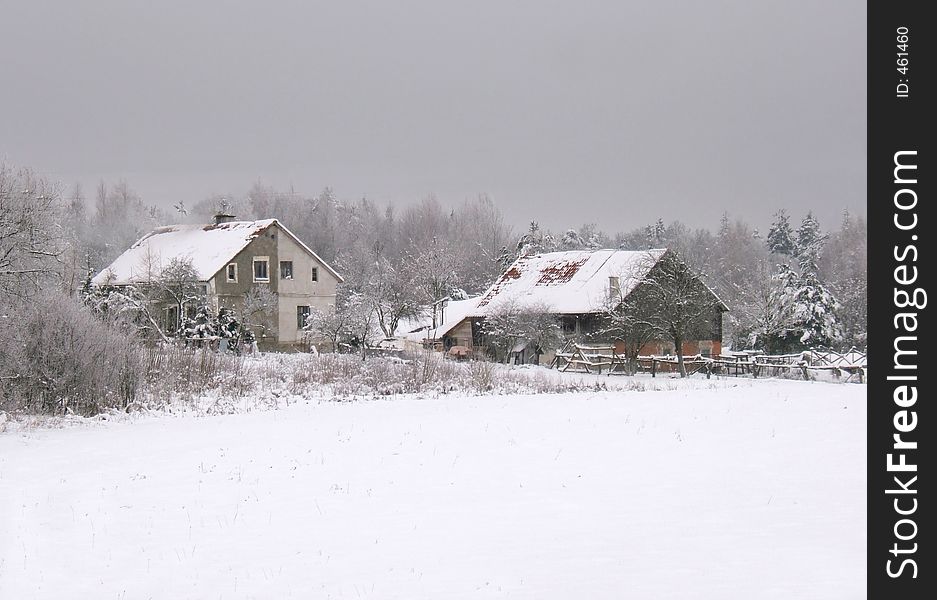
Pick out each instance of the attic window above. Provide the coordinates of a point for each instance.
(315, 273)
(286, 269)
(614, 288)
(261, 269)
(231, 273)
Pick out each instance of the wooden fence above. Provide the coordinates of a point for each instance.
(853, 363)
(589, 358)
(596, 358)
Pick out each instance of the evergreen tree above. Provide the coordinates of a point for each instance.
(781, 236)
(571, 240)
(810, 243)
(535, 241)
(655, 234)
(87, 289)
(229, 328)
(505, 259)
(724, 226)
(816, 312)
(530, 242)
(592, 238)
(660, 231)
(203, 325)
(799, 313)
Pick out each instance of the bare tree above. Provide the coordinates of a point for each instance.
(329, 324)
(361, 321)
(352, 321)
(764, 308)
(622, 316)
(673, 300)
(514, 324)
(178, 284)
(56, 357)
(434, 274)
(259, 311)
(844, 267)
(125, 307)
(740, 267)
(480, 237)
(391, 295)
(30, 241)
(121, 218)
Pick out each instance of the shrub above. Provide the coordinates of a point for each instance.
(56, 357)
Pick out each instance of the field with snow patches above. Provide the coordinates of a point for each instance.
(699, 489)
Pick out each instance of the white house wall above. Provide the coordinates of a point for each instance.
(301, 290)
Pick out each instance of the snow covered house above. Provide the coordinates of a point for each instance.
(578, 288)
(231, 259)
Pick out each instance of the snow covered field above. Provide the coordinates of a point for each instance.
(710, 489)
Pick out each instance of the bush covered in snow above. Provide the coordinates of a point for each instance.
(56, 357)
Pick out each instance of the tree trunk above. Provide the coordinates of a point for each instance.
(678, 344)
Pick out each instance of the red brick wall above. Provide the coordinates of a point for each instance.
(690, 348)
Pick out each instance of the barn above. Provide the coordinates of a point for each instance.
(581, 290)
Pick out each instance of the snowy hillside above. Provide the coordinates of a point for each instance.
(709, 489)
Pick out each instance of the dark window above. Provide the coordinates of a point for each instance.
(260, 270)
(568, 324)
(315, 274)
(233, 273)
(172, 319)
(286, 269)
(301, 313)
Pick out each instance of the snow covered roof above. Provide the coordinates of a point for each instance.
(209, 247)
(575, 282)
(454, 313)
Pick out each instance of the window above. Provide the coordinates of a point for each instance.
(261, 268)
(171, 321)
(301, 313)
(568, 324)
(286, 269)
(232, 273)
(315, 273)
(614, 288)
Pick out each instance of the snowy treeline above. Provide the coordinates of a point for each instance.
(794, 286)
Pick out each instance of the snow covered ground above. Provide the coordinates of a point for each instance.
(708, 489)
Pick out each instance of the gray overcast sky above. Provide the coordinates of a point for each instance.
(603, 111)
